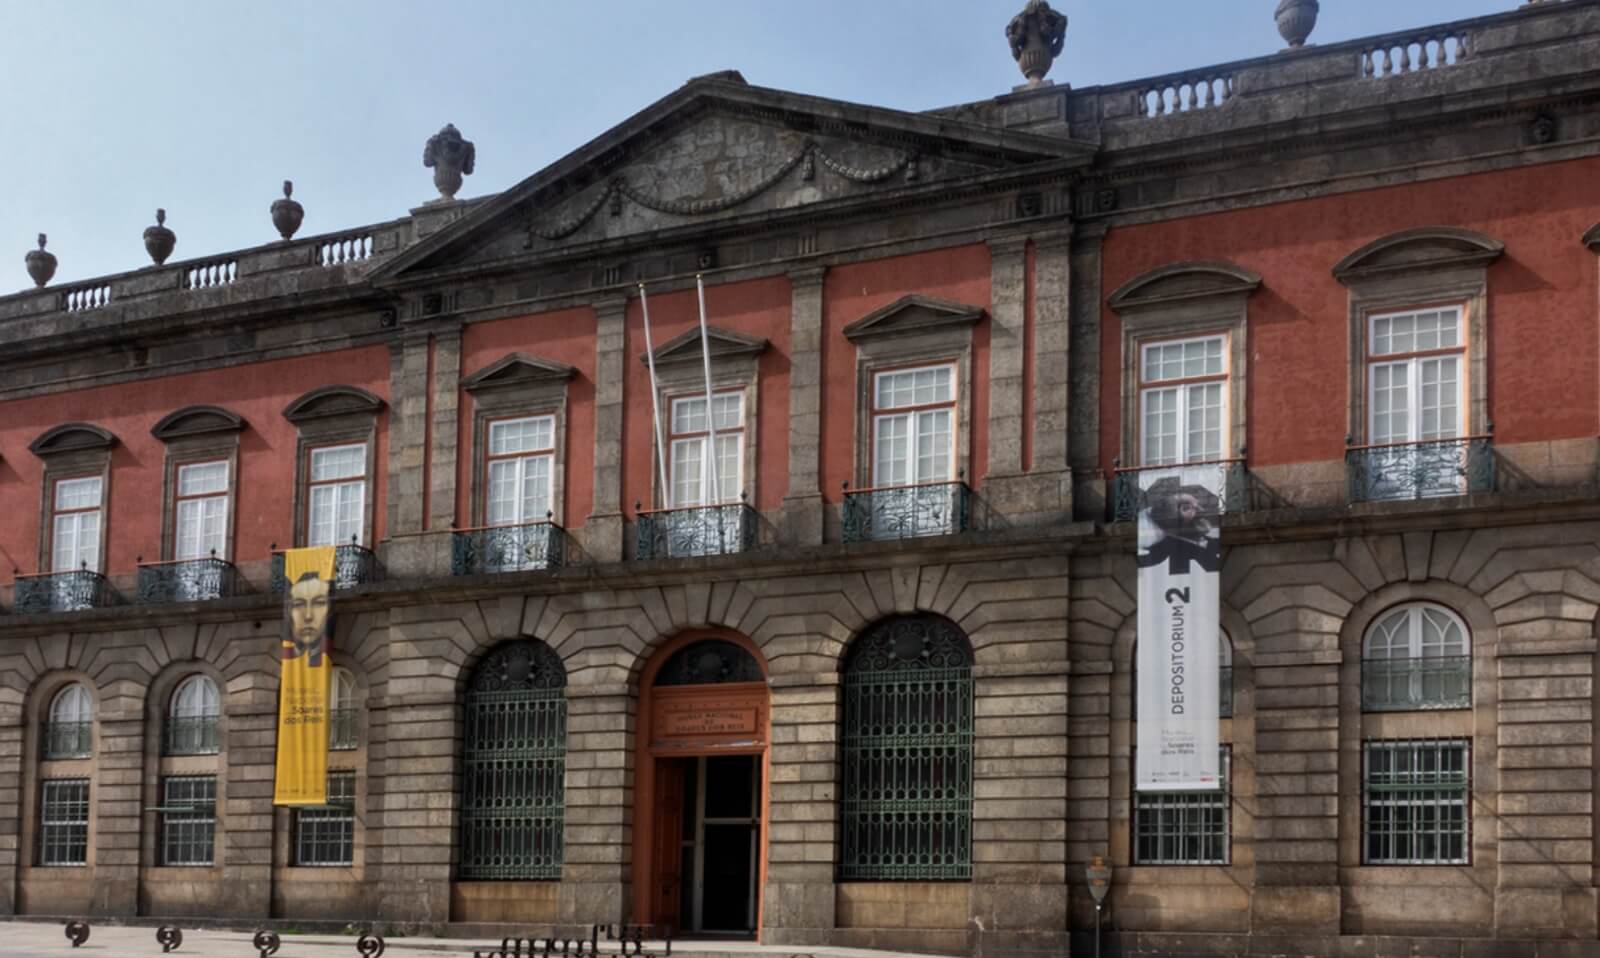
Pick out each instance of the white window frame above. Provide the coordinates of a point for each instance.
(1413, 360)
(76, 697)
(913, 413)
(1461, 799)
(1417, 652)
(91, 561)
(521, 460)
(1186, 387)
(52, 817)
(728, 492)
(213, 526)
(341, 485)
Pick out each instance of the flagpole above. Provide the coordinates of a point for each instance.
(709, 474)
(655, 401)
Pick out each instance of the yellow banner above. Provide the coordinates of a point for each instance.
(302, 774)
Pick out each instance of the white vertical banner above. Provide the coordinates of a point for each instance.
(1180, 563)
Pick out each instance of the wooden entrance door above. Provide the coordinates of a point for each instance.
(666, 880)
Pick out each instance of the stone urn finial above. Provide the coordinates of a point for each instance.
(1037, 35)
(286, 213)
(41, 265)
(1296, 19)
(450, 157)
(158, 240)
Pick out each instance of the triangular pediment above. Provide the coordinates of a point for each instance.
(517, 370)
(720, 343)
(196, 421)
(912, 314)
(72, 437)
(718, 151)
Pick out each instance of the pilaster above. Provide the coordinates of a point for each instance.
(799, 898)
(408, 403)
(247, 814)
(603, 530)
(802, 504)
(418, 805)
(1007, 332)
(1083, 371)
(596, 880)
(443, 441)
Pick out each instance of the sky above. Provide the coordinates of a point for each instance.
(112, 109)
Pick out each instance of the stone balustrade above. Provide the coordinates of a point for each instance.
(346, 248)
(1182, 93)
(77, 299)
(1393, 56)
(218, 272)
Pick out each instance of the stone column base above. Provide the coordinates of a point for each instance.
(797, 913)
(801, 521)
(601, 537)
(586, 903)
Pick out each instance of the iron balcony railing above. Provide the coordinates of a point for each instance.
(344, 729)
(906, 512)
(352, 565)
(1410, 684)
(68, 739)
(1420, 470)
(1229, 478)
(61, 592)
(190, 735)
(696, 531)
(187, 580)
(534, 545)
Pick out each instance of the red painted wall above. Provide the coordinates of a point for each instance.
(565, 336)
(1542, 350)
(755, 308)
(960, 274)
(264, 504)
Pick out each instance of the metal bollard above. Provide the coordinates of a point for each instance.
(169, 937)
(266, 942)
(77, 932)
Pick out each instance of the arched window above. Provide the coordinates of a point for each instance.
(344, 718)
(711, 662)
(1416, 657)
(906, 744)
(514, 762)
(69, 732)
(191, 727)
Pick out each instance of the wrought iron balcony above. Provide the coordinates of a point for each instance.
(352, 566)
(696, 531)
(536, 545)
(68, 739)
(1230, 478)
(344, 729)
(61, 592)
(1420, 470)
(187, 580)
(189, 735)
(1411, 684)
(906, 512)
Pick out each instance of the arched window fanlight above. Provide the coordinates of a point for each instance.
(1416, 656)
(69, 732)
(344, 716)
(192, 718)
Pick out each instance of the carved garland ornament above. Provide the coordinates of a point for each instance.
(910, 643)
(525, 666)
(806, 157)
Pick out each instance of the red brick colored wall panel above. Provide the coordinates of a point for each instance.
(564, 336)
(1543, 332)
(960, 274)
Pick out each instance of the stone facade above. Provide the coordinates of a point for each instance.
(1031, 242)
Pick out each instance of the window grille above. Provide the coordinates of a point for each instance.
(514, 764)
(64, 822)
(326, 837)
(1414, 796)
(907, 752)
(1184, 828)
(188, 819)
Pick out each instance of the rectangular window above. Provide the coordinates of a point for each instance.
(75, 524)
(200, 512)
(519, 467)
(337, 490)
(325, 837)
(1183, 401)
(1414, 803)
(689, 463)
(913, 426)
(1184, 828)
(64, 822)
(1416, 394)
(188, 819)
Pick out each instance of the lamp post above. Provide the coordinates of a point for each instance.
(1099, 875)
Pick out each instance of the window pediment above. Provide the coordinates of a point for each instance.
(72, 437)
(1591, 239)
(332, 401)
(912, 314)
(1432, 248)
(517, 370)
(1185, 283)
(197, 421)
(724, 344)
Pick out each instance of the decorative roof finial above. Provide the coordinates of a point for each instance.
(1037, 35)
(450, 157)
(158, 240)
(1296, 19)
(286, 213)
(41, 265)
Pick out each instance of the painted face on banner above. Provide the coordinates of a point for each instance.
(1179, 526)
(310, 601)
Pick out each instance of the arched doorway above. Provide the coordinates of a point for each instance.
(699, 837)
